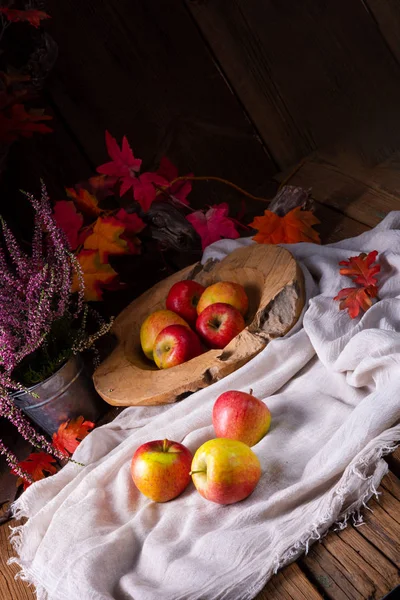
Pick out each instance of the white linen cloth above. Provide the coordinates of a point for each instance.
(333, 388)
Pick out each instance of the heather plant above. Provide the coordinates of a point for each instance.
(42, 323)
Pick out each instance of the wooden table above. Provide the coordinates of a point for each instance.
(356, 563)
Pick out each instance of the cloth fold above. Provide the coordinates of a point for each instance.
(333, 389)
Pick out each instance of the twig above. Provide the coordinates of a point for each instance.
(220, 180)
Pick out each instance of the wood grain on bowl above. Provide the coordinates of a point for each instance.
(274, 284)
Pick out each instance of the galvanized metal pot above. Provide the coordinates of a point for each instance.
(67, 394)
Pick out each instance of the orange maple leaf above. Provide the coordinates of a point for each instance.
(36, 465)
(360, 268)
(85, 201)
(96, 274)
(356, 299)
(295, 226)
(32, 16)
(71, 433)
(106, 238)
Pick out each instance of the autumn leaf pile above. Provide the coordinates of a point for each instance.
(95, 231)
(363, 271)
(16, 120)
(67, 438)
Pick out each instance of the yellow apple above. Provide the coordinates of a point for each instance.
(225, 471)
(153, 325)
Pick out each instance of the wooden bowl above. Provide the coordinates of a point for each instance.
(275, 287)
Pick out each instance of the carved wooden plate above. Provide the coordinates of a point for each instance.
(275, 287)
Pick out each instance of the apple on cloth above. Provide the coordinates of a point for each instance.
(218, 324)
(153, 325)
(225, 471)
(226, 292)
(241, 416)
(160, 469)
(175, 345)
(183, 298)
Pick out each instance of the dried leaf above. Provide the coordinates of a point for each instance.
(84, 200)
(296, 226)
(30, 15)
(36, 465)
(106, 238)
(96, 275)
(214, 224)
(356, 299)
(16, 122)
(69, 220)
(71, 433)
(360, 268)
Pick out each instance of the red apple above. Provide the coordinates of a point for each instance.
(218, 324)
(161, 469)
(183, 298)
(225, 471)
(227, 292)
(175, 345)
(153, 325)
(240, 416)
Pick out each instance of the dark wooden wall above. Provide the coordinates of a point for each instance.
(237, 88)
(241, 89)
(199, 80)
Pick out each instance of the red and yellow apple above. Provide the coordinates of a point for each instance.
(225, 471)
(161, 469)
(183, 298)
(240, 416)
(218, 324)
(226, 292)
(153, 325)
(175, 345)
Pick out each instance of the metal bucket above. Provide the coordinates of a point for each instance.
(67, 394)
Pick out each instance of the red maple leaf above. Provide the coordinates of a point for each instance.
(214, 224)
(16, 122)
(179, 189)
(36, 465)
(71, 433)
(69, 220)
(356, 299)
(132, 223)
(32, 16)
(124, 167)
(361, 269)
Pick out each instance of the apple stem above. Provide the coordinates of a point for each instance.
(165, 445)
(194, 472)
(251, 392)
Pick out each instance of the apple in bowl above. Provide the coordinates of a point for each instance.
(218, 324)
(160, 469)
(153, 325)
(241, 416)
(175, 345)
(183, 299)
(225, 471)
(226, 292)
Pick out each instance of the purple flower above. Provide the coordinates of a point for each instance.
(35, 291)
